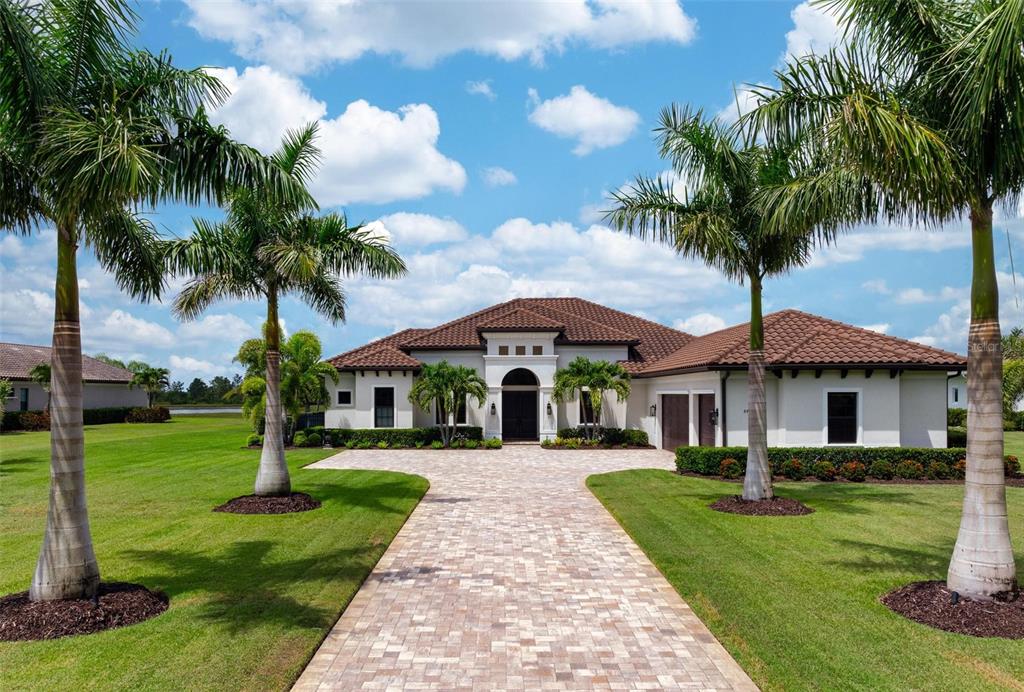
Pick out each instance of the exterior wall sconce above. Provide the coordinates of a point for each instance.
(549, 408)
(654, 410)
(494, 409)
(714, 417)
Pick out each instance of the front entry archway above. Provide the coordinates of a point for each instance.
(520, 405)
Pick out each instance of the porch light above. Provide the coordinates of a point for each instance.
(654, 410)
(494, 409)
(549, 408)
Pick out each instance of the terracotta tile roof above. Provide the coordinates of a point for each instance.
(794, 338)
(17, 360)
(382, 354)
(578, 321)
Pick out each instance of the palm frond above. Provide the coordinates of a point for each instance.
(128, 246)
(298, 154)
(325, 295)
(90, 35)
(203, 291)
(354, 250)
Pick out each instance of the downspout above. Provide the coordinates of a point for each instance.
(721, 417)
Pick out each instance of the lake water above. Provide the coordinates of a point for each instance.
(196, 411)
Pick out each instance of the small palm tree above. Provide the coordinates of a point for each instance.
(6, 390)
(590, 378)
(267, 248)
(723, 222)
(153, 380)
(448, 387)
(92, 130)
(40, 374)
(304, 373)
(926, 106)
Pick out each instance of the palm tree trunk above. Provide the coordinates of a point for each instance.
(272, 478)
(757, 483)
(982, 563)
(67, 566)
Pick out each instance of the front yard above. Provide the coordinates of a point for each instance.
(795, 599)
(251, 597)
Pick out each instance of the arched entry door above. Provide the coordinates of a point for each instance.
(519, 406)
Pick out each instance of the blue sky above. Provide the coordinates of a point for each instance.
(483, 138)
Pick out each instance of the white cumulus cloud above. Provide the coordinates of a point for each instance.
(123, 329)
(217, 327)
(701, 323)
(594, 122)
(481, 88)
(496, 176)
(422, 229)
(815, 30)
(302, 36)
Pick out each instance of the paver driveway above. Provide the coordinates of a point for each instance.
(511, 575)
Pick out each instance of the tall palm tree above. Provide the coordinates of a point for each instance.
(590, 378)
(152, 380)
(92, 130)
(927, 104)
(721, 220)
(448, 387)
(41, 374)
(269, 248)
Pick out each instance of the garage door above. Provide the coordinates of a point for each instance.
(675, 420)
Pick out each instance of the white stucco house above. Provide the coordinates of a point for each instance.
(105, 385)
(829, 383)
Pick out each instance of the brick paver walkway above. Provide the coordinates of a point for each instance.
(511, 575)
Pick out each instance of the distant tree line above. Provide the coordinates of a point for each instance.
(219, 390)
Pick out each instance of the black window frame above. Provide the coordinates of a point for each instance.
(503, 350)
(842, 421)
(520, 349)
(379, 410)
(23, 399)
(460, 415)
(538, 350)
(351, 397)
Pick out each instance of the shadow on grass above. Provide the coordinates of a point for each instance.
(246, 589)
(930, 561)
(385, 496)
(10, 465)
(849, 498)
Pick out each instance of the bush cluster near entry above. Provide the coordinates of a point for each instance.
(608, 436)
(395, 437)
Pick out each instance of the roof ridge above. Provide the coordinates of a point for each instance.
(632, 336)
(382, 341)
(464, 318)
(515, 310)
(621, 312)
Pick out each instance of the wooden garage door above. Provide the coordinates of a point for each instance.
(675, 420)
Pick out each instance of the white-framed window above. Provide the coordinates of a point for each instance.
(383, 407)
(956, 394)
(843, 417)
(460, 416)
(344, 397)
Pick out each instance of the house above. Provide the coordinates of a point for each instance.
(829, 383)
(957, 388)
(106, 386)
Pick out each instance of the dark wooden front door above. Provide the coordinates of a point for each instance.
(706, 419)
(675, 420)
(519, 415)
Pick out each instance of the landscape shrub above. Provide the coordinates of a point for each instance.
(350, 444)
(34, 421)
(395, 437)
(470, 444)
(153, 414)
(609, 436)
(547, 443)
(383, 444)
(938, 471)
(706, 460)
(494, 443)
(956, 437)
(853, 471)
(793, 469)
(956, 417)
(254, 440)
(364, 444)
(730, 468)
(882, 470)
(572, 443)
(1011, 466)
(420, 444)
(959, 469)
(1009, 424)
(824, 470)
(910, 470)
(437, 444)
(299, 440)
(90, 416)
(313, 439)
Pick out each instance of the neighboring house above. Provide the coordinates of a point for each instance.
(829, 382)
(957, 390)
(106, 386)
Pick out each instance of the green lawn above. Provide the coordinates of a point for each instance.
(795, 599)
(1014, 443)
(251, 596)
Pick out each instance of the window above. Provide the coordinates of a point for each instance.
(586, 409)
(384, 407)
(538, 350)
(503, 350)
(841, 409)
(23, 399)
(344, 397)
(520, 350)
(956, 394)
(460, 416)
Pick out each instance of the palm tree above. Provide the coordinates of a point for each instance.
(92, 130)
(40, 374)
(721, 221)
(269, 248)
(590, 378)
(153, 380)
(448, 387)
(928, 106)
(6, 390)
(303, 372)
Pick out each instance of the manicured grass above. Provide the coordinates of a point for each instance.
(251, 596)
(795, 599)
(1013, 443)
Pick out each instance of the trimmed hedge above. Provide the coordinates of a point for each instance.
(956, 417)
(609, 436)
(153, 414)
(90, 416)
(393, 437)
(708, 460)
(956, 437)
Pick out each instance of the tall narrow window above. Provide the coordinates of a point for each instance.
(23, 399)
(956, 394)
(384, 407)
(586, 409)
(460, 416)
(842, 418)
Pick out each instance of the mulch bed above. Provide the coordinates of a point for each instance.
(775, 507)
(117, 604)
(257, 504)
(930, 603)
